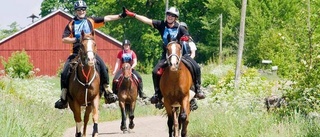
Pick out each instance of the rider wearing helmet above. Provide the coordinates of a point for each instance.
(72, 35)
(189, 47)
(168, 29)
(127, 55)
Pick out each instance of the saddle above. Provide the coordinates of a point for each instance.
(133, 77)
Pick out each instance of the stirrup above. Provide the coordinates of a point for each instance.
(110, 98)
(154, 99)
(159, 105)
(61, 104)
(193, 104)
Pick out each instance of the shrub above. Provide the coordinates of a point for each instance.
(18, 65)
(209, 79)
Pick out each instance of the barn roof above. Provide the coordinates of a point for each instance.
(48, 16)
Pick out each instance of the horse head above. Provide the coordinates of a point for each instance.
(126, 70)
(174, 54)
(88, 49)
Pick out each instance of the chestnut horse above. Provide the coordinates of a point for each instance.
(127, 94)
(175, 84)
(84, 86)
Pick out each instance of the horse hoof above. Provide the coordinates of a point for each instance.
(124, 131)
(122, 128)
(78, 134)
(131, 126)
(95, 135)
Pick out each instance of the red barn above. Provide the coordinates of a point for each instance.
(42, 42)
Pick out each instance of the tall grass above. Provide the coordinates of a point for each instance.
(27, 109)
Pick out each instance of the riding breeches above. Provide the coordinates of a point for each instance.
(194, 68)
(156, 77)
(104, 75)
(65, 72)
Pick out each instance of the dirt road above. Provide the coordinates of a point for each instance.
(152, 126)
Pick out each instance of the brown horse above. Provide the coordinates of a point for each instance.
(127, 94)
(84, 86)
(175, 84)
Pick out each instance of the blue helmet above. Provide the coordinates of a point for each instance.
(80, 4)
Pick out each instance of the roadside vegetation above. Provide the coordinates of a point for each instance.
(27, 105)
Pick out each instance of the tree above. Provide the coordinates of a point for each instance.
(14, 27)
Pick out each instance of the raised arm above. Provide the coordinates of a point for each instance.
(141, 18)
(115, 17)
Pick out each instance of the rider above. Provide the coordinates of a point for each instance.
(189, 52)
(72, 35)
(168, 29)
(189, 46)
(127, 55)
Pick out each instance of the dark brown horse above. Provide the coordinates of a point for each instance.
(127, 94)
(84, 86)
(175, 83)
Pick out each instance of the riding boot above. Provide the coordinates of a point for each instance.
(157, 94)
(114, 87)
(140, 91)
(109, 96)
(62, 103)
(199, 93)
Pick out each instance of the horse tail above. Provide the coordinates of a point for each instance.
(128, 107)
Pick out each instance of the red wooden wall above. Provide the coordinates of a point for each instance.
(43, 43)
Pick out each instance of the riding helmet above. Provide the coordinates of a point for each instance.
(173, 10)
(80, 4)
(183, 24)
(125, 42)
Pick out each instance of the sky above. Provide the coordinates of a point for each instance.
(18, 11)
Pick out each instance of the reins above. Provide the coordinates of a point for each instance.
(86, 75)
(169, 56)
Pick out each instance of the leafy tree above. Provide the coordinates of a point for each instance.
(14, 27)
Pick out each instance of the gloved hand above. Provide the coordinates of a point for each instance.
(184, 38)
(77, 36)
(129, 13)
(123, 14)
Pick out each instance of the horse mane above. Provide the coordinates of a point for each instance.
(87, 36)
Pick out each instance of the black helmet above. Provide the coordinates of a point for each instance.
(126, 42)
(80, 4)
(183, 24)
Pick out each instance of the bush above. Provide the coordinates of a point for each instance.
(209, 79)
(18, 65)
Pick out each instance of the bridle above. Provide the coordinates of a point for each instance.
(87, 82)
(173, 54)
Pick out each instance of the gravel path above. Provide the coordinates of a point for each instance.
(151, 126)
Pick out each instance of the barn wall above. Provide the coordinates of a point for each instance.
(42, 42)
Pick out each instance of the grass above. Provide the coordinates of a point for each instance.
(27, 107)
(27, 110)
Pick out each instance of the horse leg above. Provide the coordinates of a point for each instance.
(95, 116)
(131, 115)
(86, 119)
(170, 124)
(123, 126)
(170, 117)
(183, 117)
(76, 109)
